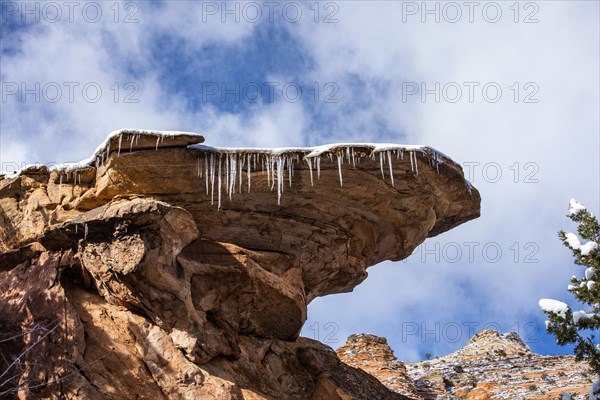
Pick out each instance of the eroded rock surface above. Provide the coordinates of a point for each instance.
(127, 278)
(490, 366)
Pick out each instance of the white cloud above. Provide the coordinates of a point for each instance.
(58, 60)
(558, 135)
(369, 54)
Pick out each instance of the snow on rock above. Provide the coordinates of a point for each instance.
(225, 167)
(124, 140)
(573, 240)
(555, 306)
(575, 207)
(587, 248)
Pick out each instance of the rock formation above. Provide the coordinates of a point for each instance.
(160, 268)
(490, 366)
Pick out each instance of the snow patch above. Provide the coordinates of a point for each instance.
(582, 315)
(590, 284)
(555, 306)
(587, 248)
(103, 150)
(573, 240)
(575, 207)
(589, 273)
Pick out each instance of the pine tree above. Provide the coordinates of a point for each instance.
(578, 326)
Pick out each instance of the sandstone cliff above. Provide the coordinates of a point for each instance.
(490, 366)
(160, 268)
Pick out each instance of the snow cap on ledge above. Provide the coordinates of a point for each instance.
(276, 161)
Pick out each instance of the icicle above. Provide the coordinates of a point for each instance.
(381, 166)
(268, 172)
(76, 229)
(274, 165)
(339, 160)
(412, 165)
(402, 154)
(79, 178)
(120, 140)
(318, 167)
(85, 231)
(416, 164)
(290, 170)
(136, 138)
(131, 139)
(206, 172)
(108, 150)
(227, 173)
(250, 172)
(309, 162)
(280, 165)
(353, 159)
(241, 171)
(436, 160)
(348, 154)
(198, 164)
(219, 184)
(157, 141)
(233, 174)
(389, 154)
(212, 179)
(60, 187)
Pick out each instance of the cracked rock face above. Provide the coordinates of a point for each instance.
(123, 279)
(490, 366)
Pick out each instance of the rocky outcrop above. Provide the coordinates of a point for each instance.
(490, 366)
(162, 270)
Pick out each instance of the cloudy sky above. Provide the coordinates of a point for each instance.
(510, 90)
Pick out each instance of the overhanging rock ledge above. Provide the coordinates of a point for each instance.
(206, 258)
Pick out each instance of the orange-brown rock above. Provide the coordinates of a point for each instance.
(122, 278)
(491, 366)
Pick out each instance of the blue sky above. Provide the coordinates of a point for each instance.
(511, 93)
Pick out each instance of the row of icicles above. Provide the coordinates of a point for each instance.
(227, 169)
(230, 175)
